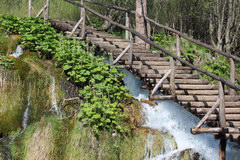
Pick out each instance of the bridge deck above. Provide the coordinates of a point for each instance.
(195, 94)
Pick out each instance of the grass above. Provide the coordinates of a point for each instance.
(59, 9)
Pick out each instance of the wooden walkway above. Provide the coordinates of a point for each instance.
(190, 91)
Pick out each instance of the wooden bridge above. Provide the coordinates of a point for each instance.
(174, 77)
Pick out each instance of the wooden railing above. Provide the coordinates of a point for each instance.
(45, 9)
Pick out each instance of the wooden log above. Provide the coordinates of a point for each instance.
(83, 15)
(208, 104)
(197, 92)
(29, 7)
(34, 11)
(184, 73)
(181, 81)
(89, 20)
(151, 63)
(232, 137)
(208, 114)
(172, 77)
(222, 114)
(222, 147)
(161, 81)
(151, 103)
(232, 75)
(226, 82)
(229, 117)
(177, 76)
(178, 46)
(162, 97)
(122, 54)
(235, 124)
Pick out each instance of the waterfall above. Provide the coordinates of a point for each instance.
(18, 53)
(170, 117)
(54, 100)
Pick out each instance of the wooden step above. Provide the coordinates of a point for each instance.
(229, 117)
(206, 98)
(142, 55)
(151, 63)
(155, 71)
(228, 123)
(143, 58)
(182, 81)
(119, 50)
(94, 38)
(191, 87)
(157, 67)
(207, 104)
(179, 76)
(196, 92)
(216, 111)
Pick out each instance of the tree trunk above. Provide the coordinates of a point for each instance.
(141, 10)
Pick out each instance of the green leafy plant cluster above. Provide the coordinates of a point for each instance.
(102, 86)
(36, 35)
(6, 62)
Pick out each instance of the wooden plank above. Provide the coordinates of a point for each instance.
(215, 130)
(209, 104)
(160, 67)
(222, 119)
(142, 58)
(197, 92)
(90, 38)
(190, 86)
(232, 137)
(205, 110)
(162, 71)
(172, 77)
(206, 98)
(178, 46)
(182, 81)
(208, 114)
(177, 76)
(130, 58)
(229, 117)
(120, 56)
(161, 82)
(127, 23)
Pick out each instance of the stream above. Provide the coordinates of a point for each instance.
(170, 117)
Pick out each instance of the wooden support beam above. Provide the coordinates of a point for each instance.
(127, 25)
(46, 15)
(161, 82)
(41, 11)
(89, 20)
(29, 7)
(172, 77)
(34, 11)
(76, 26)
(230, 130)
(208, 114)
(232, 75)
(178, 46)
(122, 54)
(83, 15)
(162, 97)
(222, 114)
(130, 58)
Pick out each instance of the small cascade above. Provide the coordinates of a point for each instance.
(169, 117)
(18, 53)
(149, 147)
(55, 108)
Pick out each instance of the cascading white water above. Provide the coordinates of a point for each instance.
(170, 117)
(54, 100)
(18, 53)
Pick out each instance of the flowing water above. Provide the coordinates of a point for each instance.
(18, 53)
(170, 117)
(55, 108)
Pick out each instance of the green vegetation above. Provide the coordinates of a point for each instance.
(35, 34)
(102, 86)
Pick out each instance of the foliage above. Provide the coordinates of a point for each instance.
(102, 85)
(36, 35)
(6, 62)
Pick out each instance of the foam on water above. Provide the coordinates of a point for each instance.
(170, 117)
(18, 53)
(54, 100)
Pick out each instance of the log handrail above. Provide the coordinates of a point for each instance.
(122, 54)
(214, 76)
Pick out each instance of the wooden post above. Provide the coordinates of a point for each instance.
(178, 46)
(46, 11)
(222, 123)
(172, 77)
(130, 59)
(29, 7)
(83, 15)
(127, 25)
(232, 75)
(148, 34)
